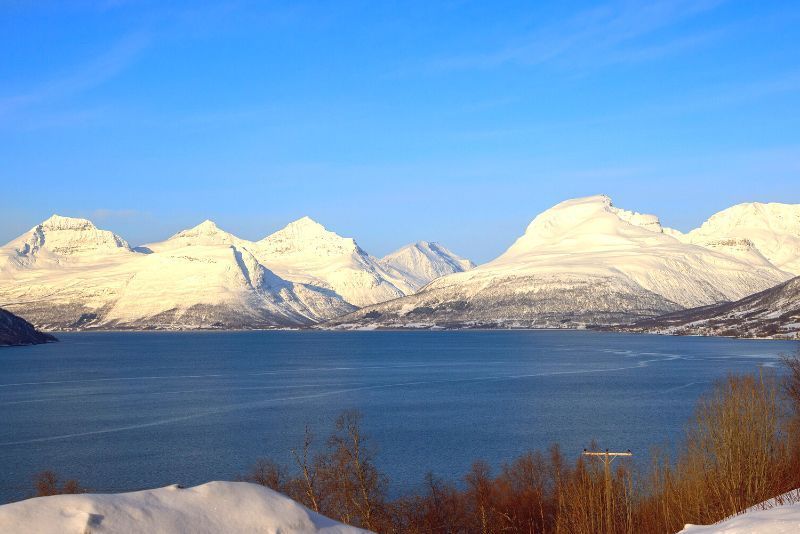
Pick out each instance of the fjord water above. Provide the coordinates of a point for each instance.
(129, 410)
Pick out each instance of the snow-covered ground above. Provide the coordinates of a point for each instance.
(777, 516)
(215, 507)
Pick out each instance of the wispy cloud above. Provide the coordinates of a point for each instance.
(615, 32)
(82, 78)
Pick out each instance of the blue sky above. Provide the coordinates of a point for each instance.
(391, 122)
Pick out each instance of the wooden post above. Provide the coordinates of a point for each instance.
(608, 457)
(607, 469)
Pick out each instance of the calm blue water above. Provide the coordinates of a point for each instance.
(122, 411)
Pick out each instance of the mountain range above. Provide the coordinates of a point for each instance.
(66, 273)
(586, 262)
(583, 262)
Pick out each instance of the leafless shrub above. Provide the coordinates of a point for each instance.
(740, 450)
(48, 483)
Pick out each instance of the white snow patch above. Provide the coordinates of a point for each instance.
(215, 507)
(776, 516)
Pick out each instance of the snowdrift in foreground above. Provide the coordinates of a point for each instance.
(210, 508)
(780, 516)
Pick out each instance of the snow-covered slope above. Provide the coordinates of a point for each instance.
(755, 230)
(582, 261)
(204, 234)
(774, 312)
(71, 275)
(304, 251)
(63, 240)
(422, 262)
(214, 286)
(776, 516)
(212, 508)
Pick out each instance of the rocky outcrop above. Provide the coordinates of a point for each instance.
(15, 330)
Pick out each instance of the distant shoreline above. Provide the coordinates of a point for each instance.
(596, 329)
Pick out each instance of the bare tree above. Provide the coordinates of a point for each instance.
(792, 383)
(308, 472)
(270, 474)
(47, 483)
(357, 487)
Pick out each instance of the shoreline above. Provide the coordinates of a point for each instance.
(317, 328)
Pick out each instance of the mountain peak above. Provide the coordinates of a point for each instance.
(301, 229)
(424, 261)
(59, 222)
(67, 237)
(773, 229)
(305, 224)
(205, 228)
(591, 213)
(306, 234)
(207, 224)
(772, 214)
(583, 224)
(207, 233)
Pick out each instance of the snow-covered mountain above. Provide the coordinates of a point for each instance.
(422, 262)
(779, 515)
(304, 251)
(756, 232)
(63, 240)
(65, 273)
(583, 261)
(207, 233)
(774, 312)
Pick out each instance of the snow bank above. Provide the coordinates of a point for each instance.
(214, 507)
(779, 516)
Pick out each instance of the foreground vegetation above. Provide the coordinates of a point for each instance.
(742, 447)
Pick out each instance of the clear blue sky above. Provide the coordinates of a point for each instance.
(455, 121)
